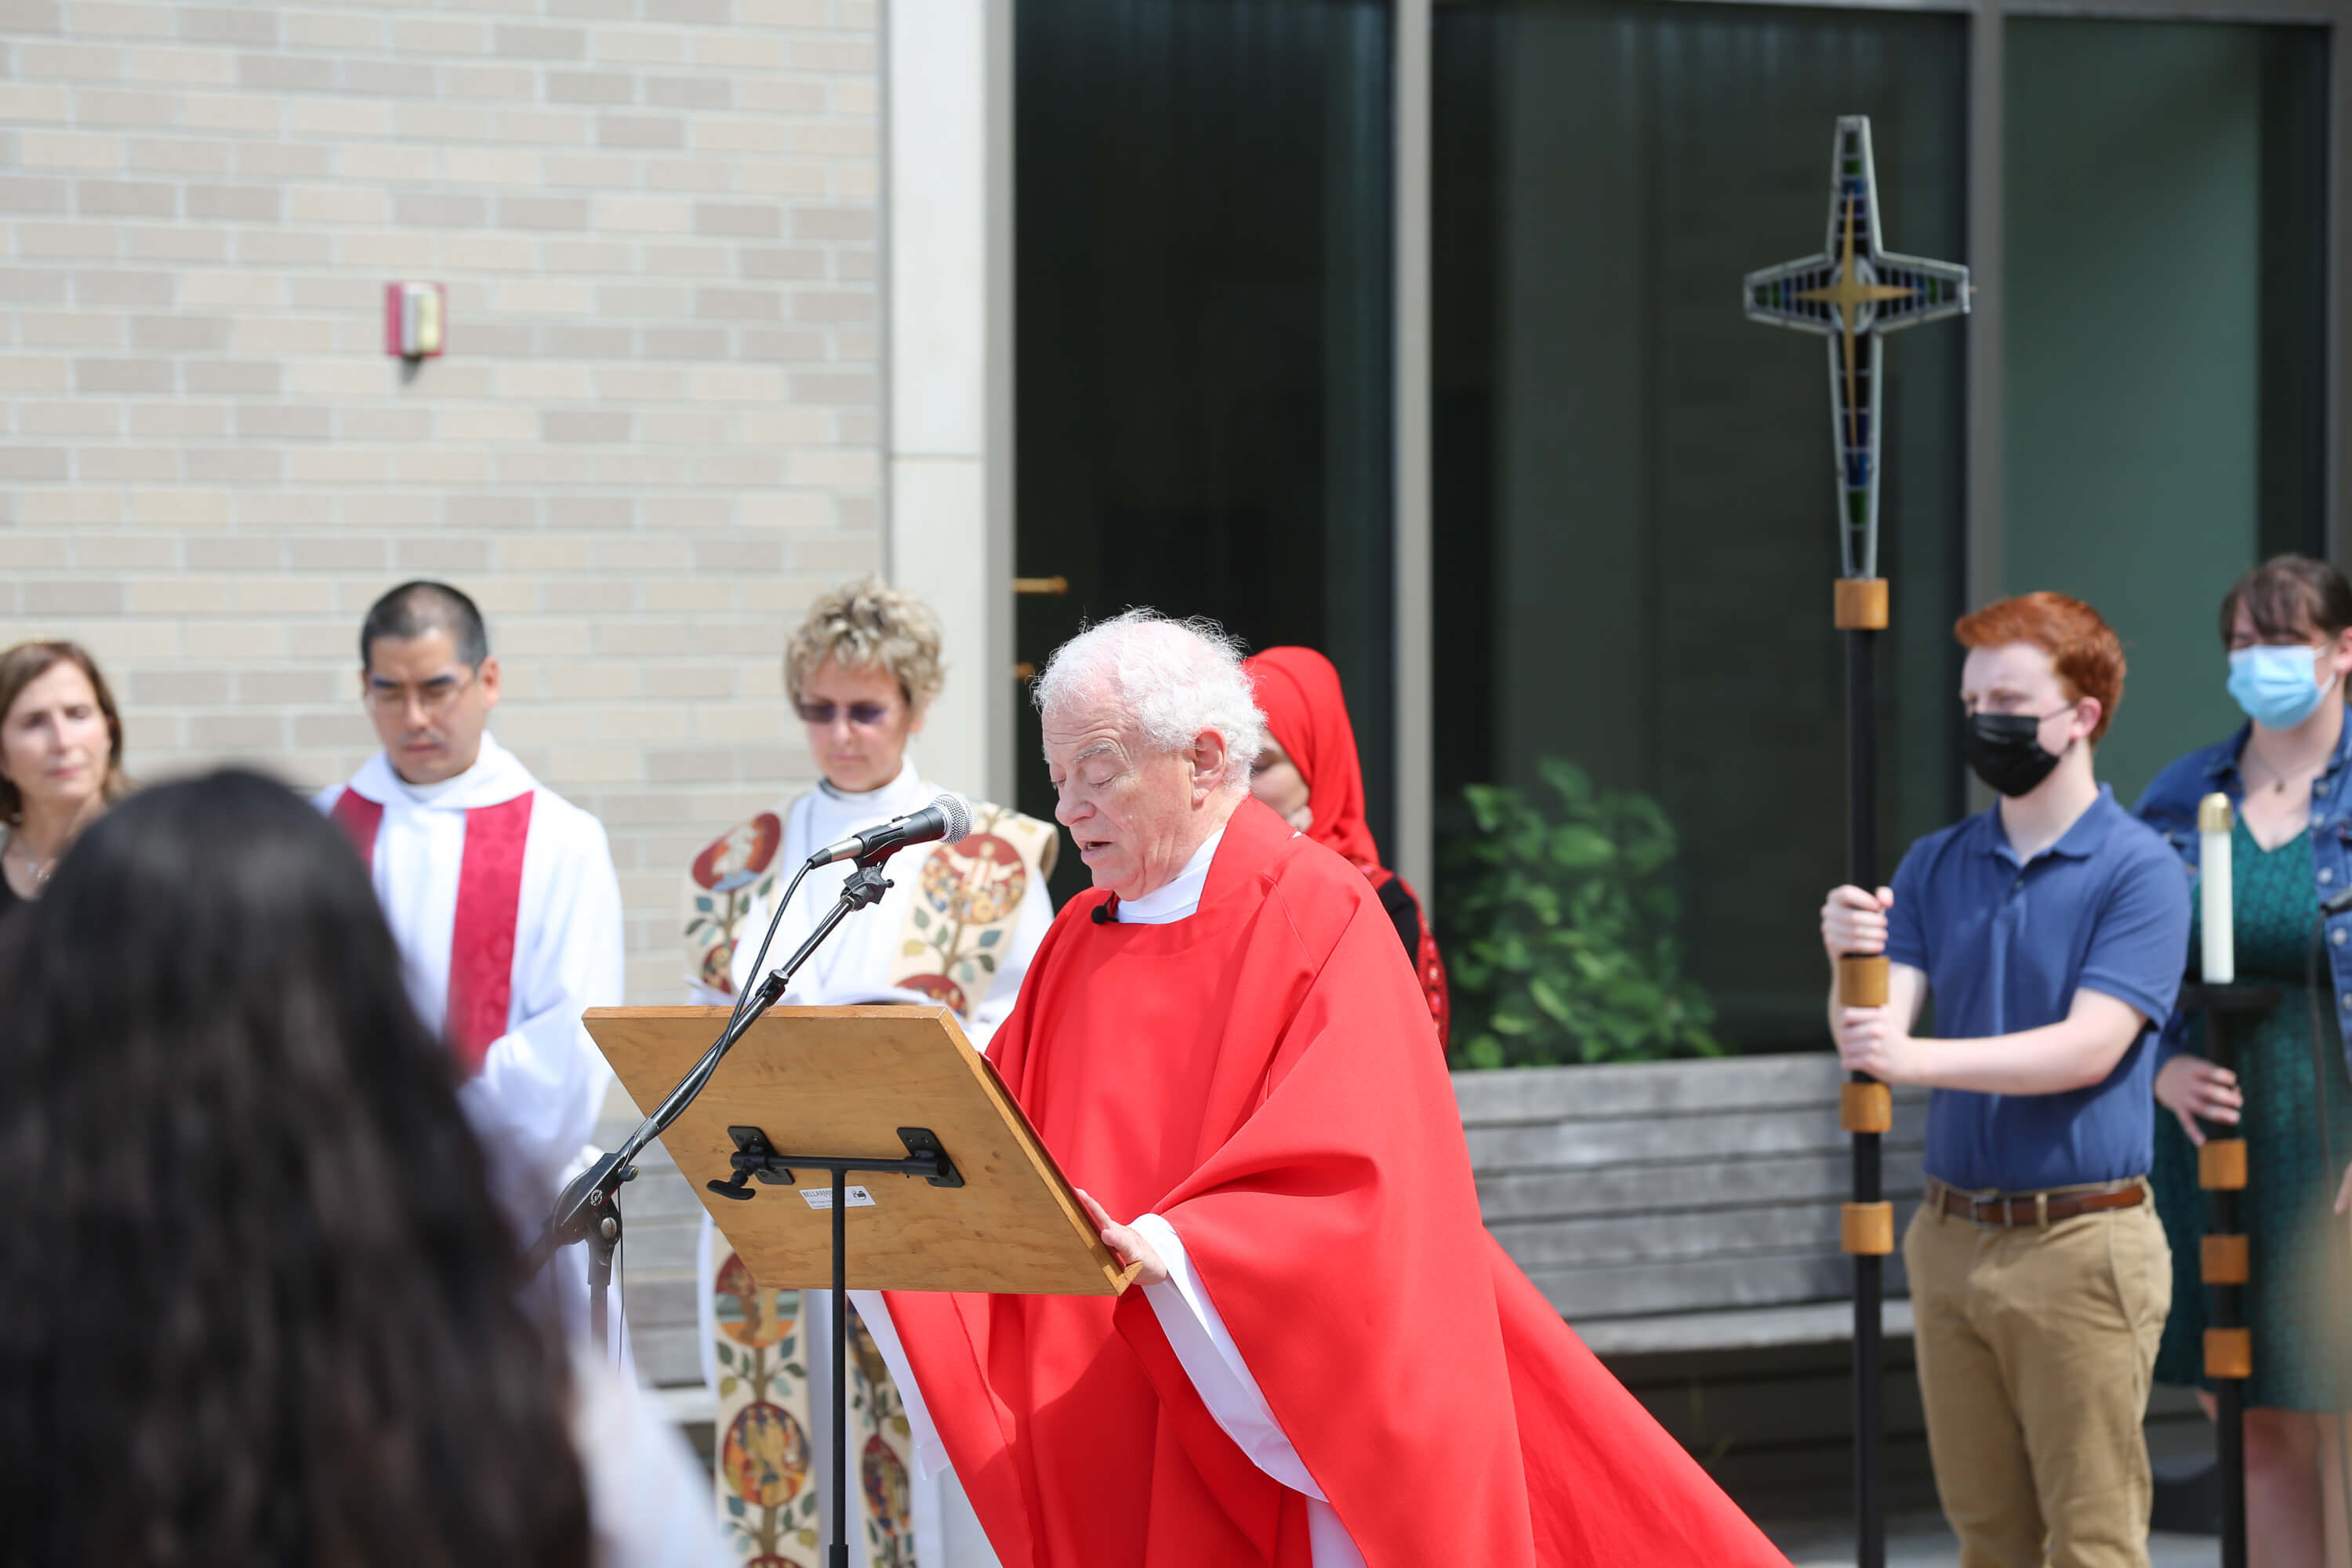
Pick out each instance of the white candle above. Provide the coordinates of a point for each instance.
(2220, 956)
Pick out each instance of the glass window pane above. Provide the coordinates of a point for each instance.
(1635, 503)
(1202, 320)
(2162, 384)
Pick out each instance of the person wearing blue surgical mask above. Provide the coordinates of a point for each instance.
(2286, 626)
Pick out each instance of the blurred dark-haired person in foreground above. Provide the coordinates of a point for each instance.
(258, 1306)
(60, 760)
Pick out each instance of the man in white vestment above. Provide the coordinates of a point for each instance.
(505, 903)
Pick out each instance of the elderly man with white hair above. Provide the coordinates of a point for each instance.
(1329, 1361)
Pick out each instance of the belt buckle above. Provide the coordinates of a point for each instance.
(1979, 1204)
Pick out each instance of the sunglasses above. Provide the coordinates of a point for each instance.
(864, 715)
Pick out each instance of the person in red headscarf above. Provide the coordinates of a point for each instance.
(1311, 778)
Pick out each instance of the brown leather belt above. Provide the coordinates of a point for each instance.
(2032, 1208)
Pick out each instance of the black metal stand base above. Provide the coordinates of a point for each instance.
(589, 1209)
(755, 1157)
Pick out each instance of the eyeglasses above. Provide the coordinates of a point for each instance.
(433, 696)
(864, 715)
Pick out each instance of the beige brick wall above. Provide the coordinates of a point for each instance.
(655, 434)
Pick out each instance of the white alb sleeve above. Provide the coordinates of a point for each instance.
(1211, 1359)
(1205, 1349)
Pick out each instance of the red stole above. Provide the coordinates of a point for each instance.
(482, 938)
(1263, 1074)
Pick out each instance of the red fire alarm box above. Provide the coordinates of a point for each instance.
(413, 320)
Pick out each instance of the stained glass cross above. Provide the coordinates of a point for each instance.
(1853, 293)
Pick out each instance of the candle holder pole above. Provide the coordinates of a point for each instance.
(2223, 1257)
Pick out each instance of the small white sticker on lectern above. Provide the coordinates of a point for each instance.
(822, 1197)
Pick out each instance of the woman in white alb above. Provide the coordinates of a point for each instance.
(958, 928)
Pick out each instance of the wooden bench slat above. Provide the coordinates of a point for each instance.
(1727, 1233)
(1735, 1329)
(1650, 1089)
(1825, 1178)
(1624, 1291)
(1564, 1145)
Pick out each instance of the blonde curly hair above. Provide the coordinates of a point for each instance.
(869, 624)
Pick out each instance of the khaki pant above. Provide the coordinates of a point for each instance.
(2035, 1347)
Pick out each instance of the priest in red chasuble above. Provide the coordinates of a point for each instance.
(1326, 1360)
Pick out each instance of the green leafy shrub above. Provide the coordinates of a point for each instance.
(1560, 918)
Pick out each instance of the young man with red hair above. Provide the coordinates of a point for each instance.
(2051, 931)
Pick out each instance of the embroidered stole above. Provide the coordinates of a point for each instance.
(482, 937)
(968, 907)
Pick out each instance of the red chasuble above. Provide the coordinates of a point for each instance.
(1264, 1076)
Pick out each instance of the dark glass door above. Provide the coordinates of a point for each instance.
(1634, 497)
(1201, 331)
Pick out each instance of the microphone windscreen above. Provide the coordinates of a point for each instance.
(958, 812)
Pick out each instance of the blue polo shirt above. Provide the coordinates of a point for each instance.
(2005, 946)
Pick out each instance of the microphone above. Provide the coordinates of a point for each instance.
(945, 820)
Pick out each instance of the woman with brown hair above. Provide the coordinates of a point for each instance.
(2286, 629)
(60, 760)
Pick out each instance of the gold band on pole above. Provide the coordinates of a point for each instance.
(2229, 1353)
(2223, 1261)
(1860, 604)
(2221, 1165)
(1862, 982)
(1865, 1108)
(1867, 1229)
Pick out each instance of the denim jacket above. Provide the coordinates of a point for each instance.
(2170, 806)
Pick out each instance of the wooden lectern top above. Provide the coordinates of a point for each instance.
(842, 1081)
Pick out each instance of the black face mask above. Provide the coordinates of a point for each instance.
(2005, 751)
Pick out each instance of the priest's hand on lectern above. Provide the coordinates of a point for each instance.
(1127, 1243)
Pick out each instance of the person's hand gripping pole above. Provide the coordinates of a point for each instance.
(1870, 1037)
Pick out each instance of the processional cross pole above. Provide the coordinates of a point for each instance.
(1853, 293)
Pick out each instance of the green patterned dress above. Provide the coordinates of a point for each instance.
(2286, 1207)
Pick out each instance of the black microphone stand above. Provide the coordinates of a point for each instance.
(588, 1210)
